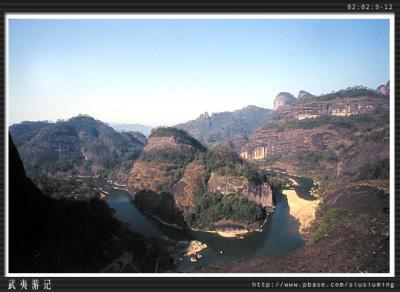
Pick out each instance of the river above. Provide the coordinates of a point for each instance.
(280, 234)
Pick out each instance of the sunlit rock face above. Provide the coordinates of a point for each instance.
(304, 96)
(384, 89)
(284, 99)
(228, 185)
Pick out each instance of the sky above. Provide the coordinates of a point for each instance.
(164, 72)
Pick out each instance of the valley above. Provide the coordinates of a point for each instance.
(279, 236)
(275, 190)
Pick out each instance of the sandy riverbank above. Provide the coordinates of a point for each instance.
(238, 233)
(301, 209)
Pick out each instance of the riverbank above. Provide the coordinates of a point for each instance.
(301, 209)
(357, 244)
(272, 237)
(173, 225)
(238, 233)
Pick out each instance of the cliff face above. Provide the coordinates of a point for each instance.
(228, 185)
(359, 199)
(384, 89)
(284, 99)
(153, 176)
(192, 180)
(174, 166)
(363, 158)
(166, 144)
(338, 107)
(316, 132)
(163, 162)
(269, 142)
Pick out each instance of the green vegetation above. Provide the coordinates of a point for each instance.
(376, 135)
(311, 159)
(161, 205)
(211, 207)
(377, 170)
(223, 159)
(25, 131)
(180, 135)
(350, 92)
(353, 123)
(179, 159)
(67, 188)
(81, 145)
(254, 174)
(328, 220)
(82, 235)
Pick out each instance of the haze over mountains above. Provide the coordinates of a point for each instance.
(131, 127)
(213, 173)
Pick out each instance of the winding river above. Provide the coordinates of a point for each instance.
(280, 235)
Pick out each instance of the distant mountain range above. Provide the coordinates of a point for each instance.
(131, 127)
(223, 126)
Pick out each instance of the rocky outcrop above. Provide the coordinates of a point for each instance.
(358, 199)
(268, 142)
(337, 107)
(384, 89)
(170, 181)
(194, 248)
(163, 160)
(227, 185)
(361, 159)
(284, 99)
(304, 96)
(192, 180)
(165, 143)
(152, 176)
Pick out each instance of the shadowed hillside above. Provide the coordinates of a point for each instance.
(48, 235)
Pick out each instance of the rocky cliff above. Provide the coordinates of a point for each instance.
(193, 179)
(365, 160)
(384, 89)
(269, 142)
(283, 100)
(316, 132)
(163, 161)
(174, 165)
(260, 194)
(338, 107)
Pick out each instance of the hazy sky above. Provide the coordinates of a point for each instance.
(162, 72)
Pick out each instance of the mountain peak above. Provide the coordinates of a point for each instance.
(171, 137)
(283, 99)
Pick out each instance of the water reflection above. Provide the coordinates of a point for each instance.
(279, 236)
